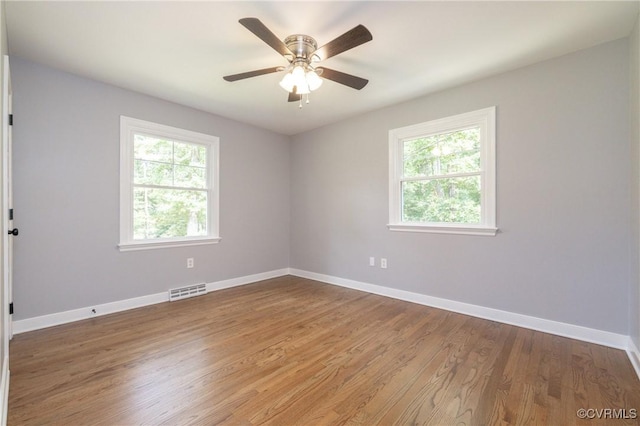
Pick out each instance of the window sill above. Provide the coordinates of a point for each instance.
(444, 229)
(167, 244)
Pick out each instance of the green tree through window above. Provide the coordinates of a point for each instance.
(169, 195)
(432, 195)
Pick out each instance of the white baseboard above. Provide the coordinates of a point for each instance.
(606, 338)
(44, 321)
(248, 279)
(634, 356)
(4, 389)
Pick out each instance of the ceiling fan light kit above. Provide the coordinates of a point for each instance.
(301, 78)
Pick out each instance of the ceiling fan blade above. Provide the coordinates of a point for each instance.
(259, 29)
(293, 96)
(249, 74)
(352, 38)
(343, 78)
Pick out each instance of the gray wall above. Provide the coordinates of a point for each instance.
(563, 196)
(66, 161)
(634, 114)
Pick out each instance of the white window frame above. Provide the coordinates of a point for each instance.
(129, 127)
(485, 119)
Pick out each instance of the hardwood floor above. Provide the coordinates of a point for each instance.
(293, 351)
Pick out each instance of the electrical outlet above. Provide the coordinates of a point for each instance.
(190, 262)
(372, 261)
(383, 263)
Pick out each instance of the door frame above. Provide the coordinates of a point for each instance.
(7, 201)
(6, 243)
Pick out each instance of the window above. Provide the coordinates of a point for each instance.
(442, 175)
(168, 186)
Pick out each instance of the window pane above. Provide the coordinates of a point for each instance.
(167, 213)
(189, 154)
(154, 149)
(168, 163)
(453, 200)
(441, 154)
(192, 177)
(152, 173)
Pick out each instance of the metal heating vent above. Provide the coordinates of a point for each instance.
(188, 291)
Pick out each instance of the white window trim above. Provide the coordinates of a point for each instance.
(130, 126)
(486, 120)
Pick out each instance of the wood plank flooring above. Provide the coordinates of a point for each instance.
(291, 351)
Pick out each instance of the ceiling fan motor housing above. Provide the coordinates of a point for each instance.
(302, 46)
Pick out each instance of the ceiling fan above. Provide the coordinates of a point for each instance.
(301, 51)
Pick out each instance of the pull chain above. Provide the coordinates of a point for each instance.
(300, 101)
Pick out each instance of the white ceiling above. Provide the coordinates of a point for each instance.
(180, 50)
